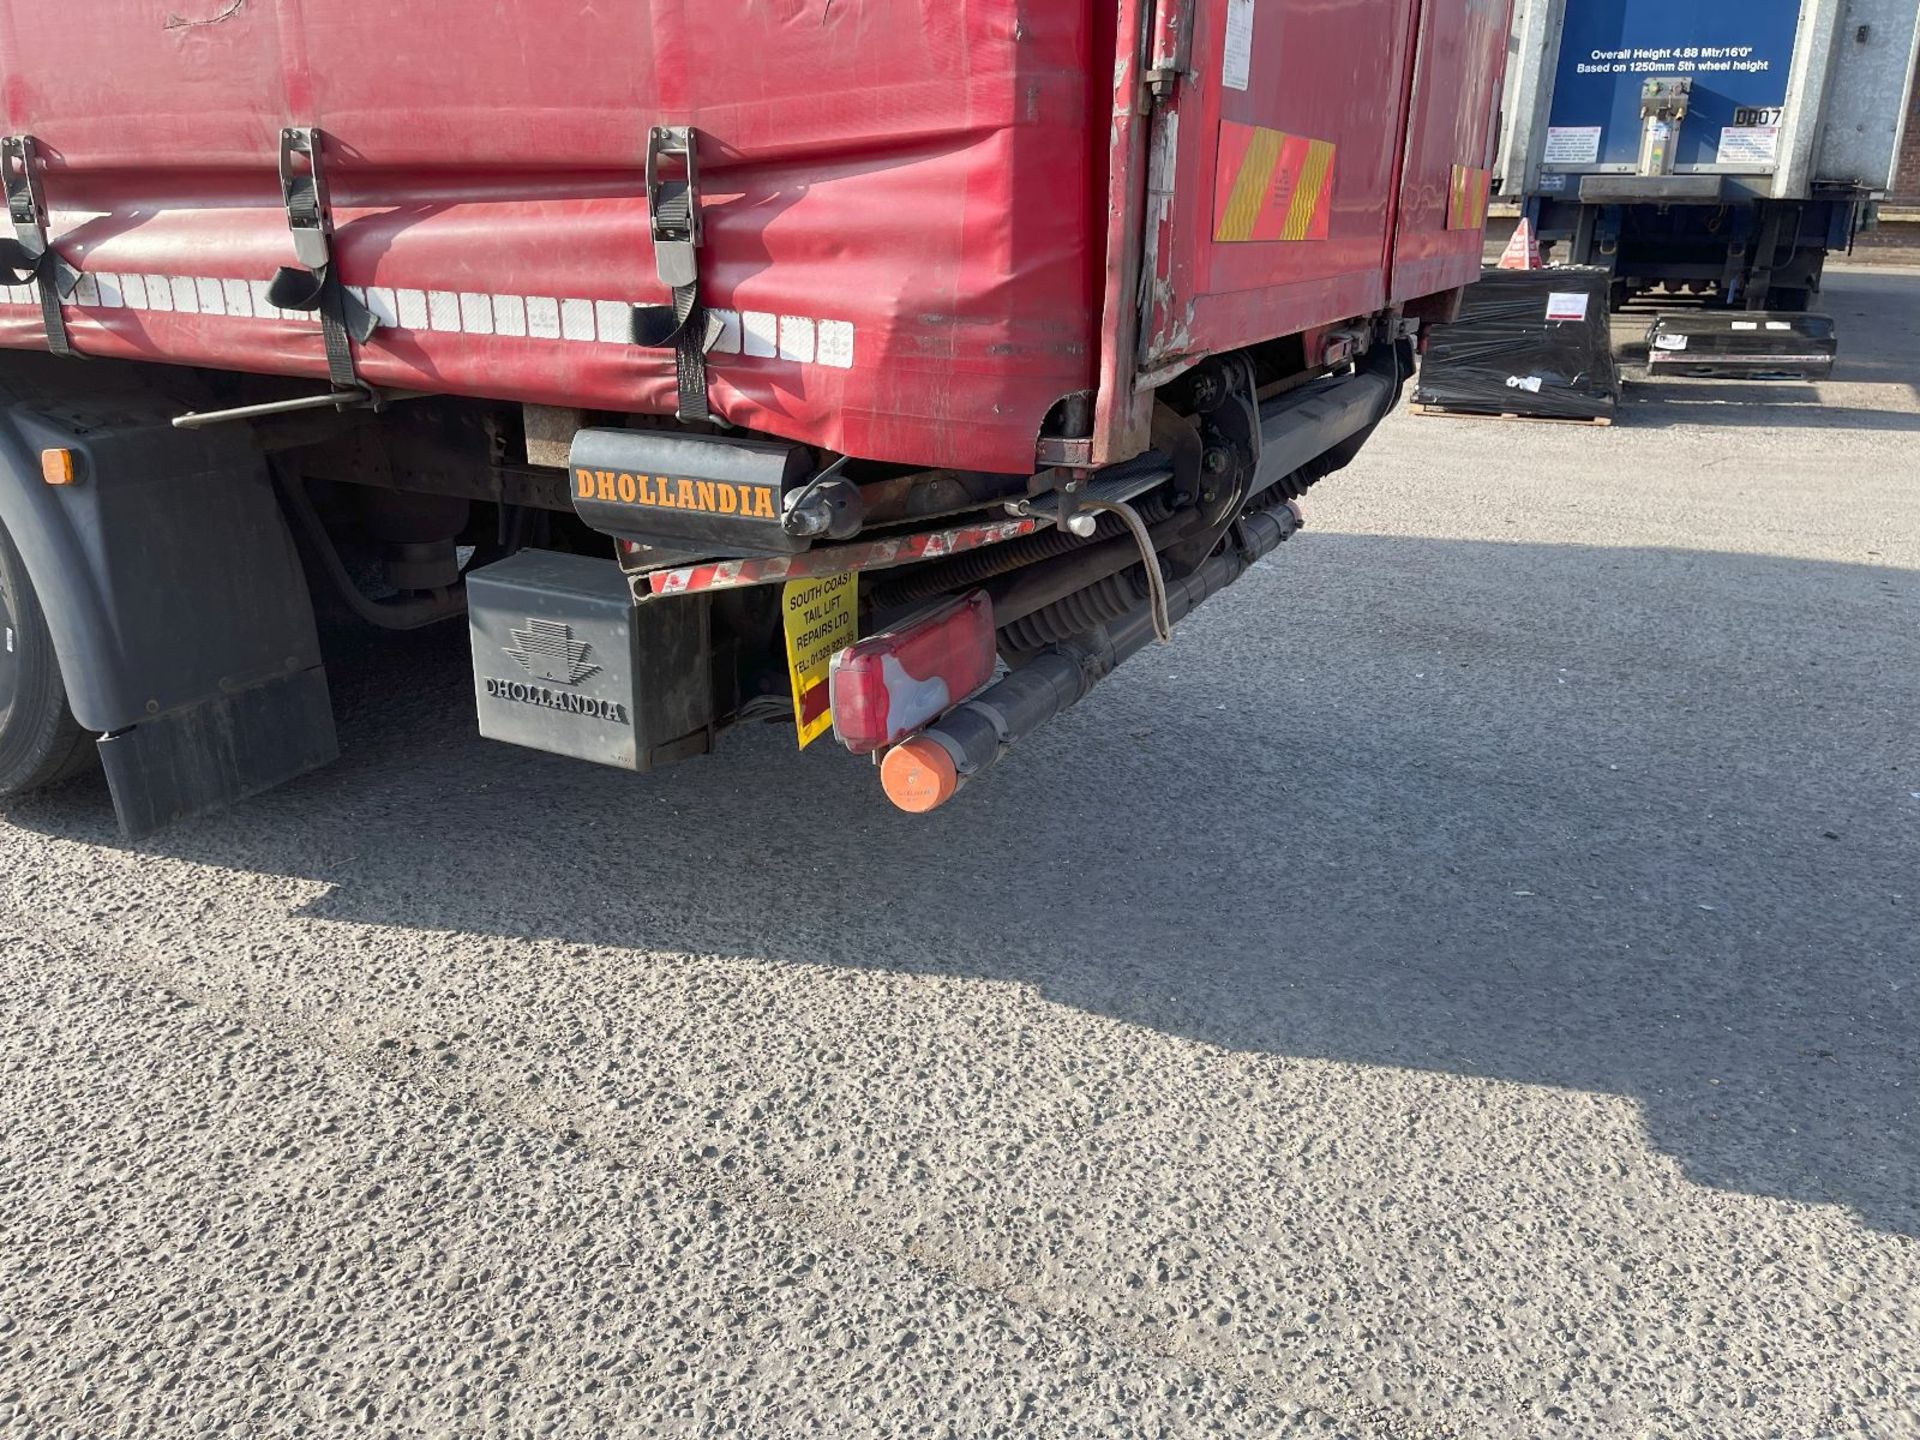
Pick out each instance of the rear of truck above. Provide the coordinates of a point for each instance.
(888, 372)
(1723, 148)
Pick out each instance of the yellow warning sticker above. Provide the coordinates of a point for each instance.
(822, 616)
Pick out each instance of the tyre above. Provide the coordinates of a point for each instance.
(40, 741)
(1789, 299)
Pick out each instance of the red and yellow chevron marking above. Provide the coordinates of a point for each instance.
(1467, 198)
(1268, 185)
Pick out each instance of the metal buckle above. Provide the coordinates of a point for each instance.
(673, 205)
(312, 285)
(304, 194)
(673, 218)
(30, 255)
(26, 203)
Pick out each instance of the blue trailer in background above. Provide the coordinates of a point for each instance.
(1721, 148)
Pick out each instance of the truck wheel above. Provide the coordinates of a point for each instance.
(1789, 299)
(40, 742)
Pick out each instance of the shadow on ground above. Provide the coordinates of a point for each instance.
(1630, 821)
(1647, 404)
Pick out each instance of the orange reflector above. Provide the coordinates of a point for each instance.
(56, 467)
(918, 775)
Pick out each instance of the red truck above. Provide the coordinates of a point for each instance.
(899, 368)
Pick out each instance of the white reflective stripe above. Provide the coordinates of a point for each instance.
(576, 319)
(381, 302)
(613, 319)
(510, 314)
(543, 317)
(796, 338)
(759, 333)
(836, 344)
(476, 313)
(752, 334)
(413, 308)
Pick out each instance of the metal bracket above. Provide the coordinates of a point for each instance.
(304, 194)
(1071, 506)
(1073, 452)
(28, 254)
(312, 285)
(673, 217)
(673, 204)
(828, 505)
(26, 205)
(1171, 44)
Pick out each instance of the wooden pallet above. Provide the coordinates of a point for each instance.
(1511, 415)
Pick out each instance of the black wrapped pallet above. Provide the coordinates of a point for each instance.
(1528, 342)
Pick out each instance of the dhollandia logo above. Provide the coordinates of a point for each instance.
(548, 652)
(667, 492)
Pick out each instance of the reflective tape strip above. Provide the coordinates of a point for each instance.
(1249, 185)
(1269, 185)
(752, 334)
(1308, 216)
(838, 559)
(1467, 193)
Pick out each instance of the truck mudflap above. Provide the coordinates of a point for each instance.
(1754, 345)
(175, 599)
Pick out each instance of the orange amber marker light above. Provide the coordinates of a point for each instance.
(918, 775)
(56, 467)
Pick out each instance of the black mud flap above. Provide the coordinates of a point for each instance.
(216, 752)
(173, 593)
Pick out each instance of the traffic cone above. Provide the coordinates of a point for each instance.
(1523, 251)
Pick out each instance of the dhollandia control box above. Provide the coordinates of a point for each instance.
(1718, 146)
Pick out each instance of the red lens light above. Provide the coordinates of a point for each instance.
(892, 684)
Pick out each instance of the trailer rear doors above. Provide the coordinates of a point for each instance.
(1271, 180)
(1303, 162)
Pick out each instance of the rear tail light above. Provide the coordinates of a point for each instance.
(890, 685)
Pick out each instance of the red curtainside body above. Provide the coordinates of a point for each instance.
(924, 225)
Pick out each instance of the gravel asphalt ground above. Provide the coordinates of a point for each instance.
(1465, 986)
